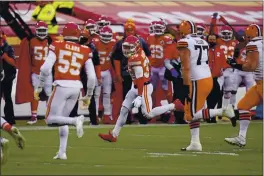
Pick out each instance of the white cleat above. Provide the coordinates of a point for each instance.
(194, 146)
(4, 150)
(229, 111)
(79, 126)
(238, 141)
(62, 156)
(32, 121)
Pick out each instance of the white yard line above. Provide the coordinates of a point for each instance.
(191, 154)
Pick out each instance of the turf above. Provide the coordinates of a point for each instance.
(144, 150)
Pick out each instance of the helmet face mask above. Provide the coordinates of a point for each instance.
(158, 27)
(106, 34)
(91, 26)
(200, 31)
(41, 30)
(130, 46)
(226, 35)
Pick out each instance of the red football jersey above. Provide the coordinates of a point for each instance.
(140, 60)
(70, 58)
(39, 52)
(228, 48)
(104, 49)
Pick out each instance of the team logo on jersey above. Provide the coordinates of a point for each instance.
(218, 54)
(162, 42)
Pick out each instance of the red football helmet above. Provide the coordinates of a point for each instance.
(106, 34)
(226, 33)
(91, 26)
(102, 21)
(71, 31)
(41, 29)
(200, 29)
(130, 46)
(158, 27)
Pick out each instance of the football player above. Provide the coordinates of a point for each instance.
(141, 90)
(68, 57)
(197, 80)
(254, 96)
(159, 46)
(201, 30)
(15, 133)
(90, 31)
(38, 51)
(104, 47)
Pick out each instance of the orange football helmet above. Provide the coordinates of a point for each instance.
(187, 27)
(71, 31)
(252, 31)
(130, 28)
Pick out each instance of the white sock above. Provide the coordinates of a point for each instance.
(226, 100)
(60, 120)
(243, 127)
(233, 99)
(215, 112)
(195, 135)
(63, 132)
(107, 104)
(160, 110)
(121, 121)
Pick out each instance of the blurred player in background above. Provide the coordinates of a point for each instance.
(197, 80)
(104, 47)
(15, 133)
(254, 96)
(69, 57)
(141, 90)
(161, 54)
(33, 58)
(201, 30)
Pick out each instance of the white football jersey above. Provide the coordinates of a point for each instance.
(256, 44)
(199, 56)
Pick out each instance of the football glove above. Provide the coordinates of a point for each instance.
(233, 63)
(137, 102)
(37, 92)
(174, 73)
(86, 100)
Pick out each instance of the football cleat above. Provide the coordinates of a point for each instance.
(32, 121)
(18, 137)
(62, 156)
(178, 105)
(108, 137)
(194, 146)
(238, 141)
(79, 126)
(4, 150)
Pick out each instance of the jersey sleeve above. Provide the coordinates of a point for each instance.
(251, 47)
(182, 44)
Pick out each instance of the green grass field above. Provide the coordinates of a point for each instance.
(152, 150)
